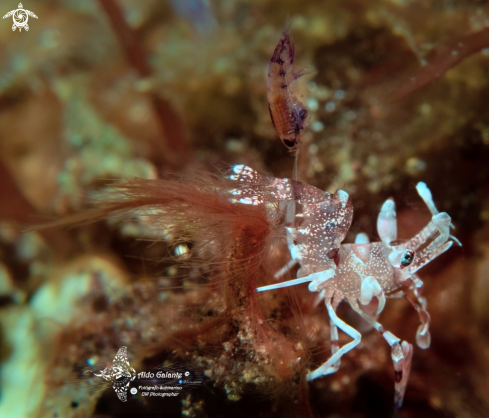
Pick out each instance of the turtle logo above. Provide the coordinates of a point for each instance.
(120, 374)
(20, 16)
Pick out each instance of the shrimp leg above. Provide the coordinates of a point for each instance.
(331, 365)
(423, 338)
(401, 355)
(294, 250)
(315, 280)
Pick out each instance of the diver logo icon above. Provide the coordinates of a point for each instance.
(120, 374)
(20, 17)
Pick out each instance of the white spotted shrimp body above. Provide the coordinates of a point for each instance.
(316, 224)
(316, 221)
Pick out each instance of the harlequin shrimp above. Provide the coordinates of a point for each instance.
(287, 112)
(315, 226)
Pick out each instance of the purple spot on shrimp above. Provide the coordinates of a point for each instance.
(397, 375)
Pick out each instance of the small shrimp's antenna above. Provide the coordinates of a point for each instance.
(296, 162)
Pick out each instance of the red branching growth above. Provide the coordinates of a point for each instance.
(190, 208)
(447, 58)
(230, 242)
(170, 124)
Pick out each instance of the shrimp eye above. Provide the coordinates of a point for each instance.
(289, 144)
(407, 258)
(303, 114)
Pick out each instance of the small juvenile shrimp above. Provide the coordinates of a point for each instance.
(287, 113)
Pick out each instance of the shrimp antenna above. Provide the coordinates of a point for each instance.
(296, 162)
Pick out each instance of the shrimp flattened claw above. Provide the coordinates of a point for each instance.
(426, 195)
(370, 288)
(361, 238)
(387, 223)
